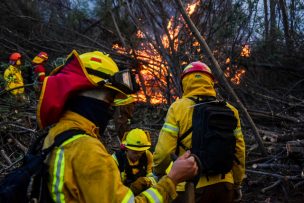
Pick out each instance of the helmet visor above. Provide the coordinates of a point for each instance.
(125, 81)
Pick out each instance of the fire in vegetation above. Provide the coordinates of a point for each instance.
(155, 72)
(245, 51)
(233, 72)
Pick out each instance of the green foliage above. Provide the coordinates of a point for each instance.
(58, 62)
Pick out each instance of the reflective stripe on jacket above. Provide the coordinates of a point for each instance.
(81, 170)
(13, 78)
(179, 120)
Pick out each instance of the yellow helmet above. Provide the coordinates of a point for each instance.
(40, 58)
(137, 140)
(103, 71)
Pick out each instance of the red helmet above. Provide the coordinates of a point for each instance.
(197, 66)
(15, 56)
(43, 55)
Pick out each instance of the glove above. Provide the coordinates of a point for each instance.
(237, 194)
(141, 184)
(153, 180)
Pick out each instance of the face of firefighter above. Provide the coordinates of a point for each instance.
(134, 155)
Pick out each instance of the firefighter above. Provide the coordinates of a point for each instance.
(39, 68)
(78, 96)
(134, 160)
(13, 76)
(123, 115)
(198, 82)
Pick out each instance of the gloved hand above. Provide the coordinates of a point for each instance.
(237, 193)
(140, 185)
(153, 180)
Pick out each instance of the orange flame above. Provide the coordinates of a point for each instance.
(245, 51)
(155, 71)
(233, 72)
(191, 7)
(237, 77)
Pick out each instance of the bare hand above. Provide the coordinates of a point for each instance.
(184, 168)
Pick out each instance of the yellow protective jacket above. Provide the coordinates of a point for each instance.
(179, 120)
(81, 169)
(13, 78)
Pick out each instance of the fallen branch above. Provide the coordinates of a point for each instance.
(24, 128)
(286, 178)
(271, 186)
(18, 144)
(27, 85)
(278, 166)
(256, 181)
(6, 157)
(11, 165)
(298, 184)
(258, 160)
(290, 137)
(267, 115)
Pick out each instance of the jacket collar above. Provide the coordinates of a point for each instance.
(198, 84)
(71, 120)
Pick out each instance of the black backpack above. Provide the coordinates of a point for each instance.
(28, 182)
(213, 140)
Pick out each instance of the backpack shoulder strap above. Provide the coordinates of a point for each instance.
(61, 138)
(121, 158)
(202, 99)
(145, 160)
(179, 141)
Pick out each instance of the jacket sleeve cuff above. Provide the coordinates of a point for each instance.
(168, 186)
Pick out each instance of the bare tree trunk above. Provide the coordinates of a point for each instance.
(273, 34)
(285, 25)
(266, 21)
(221, 74)
(292, 17)
(118, 30)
